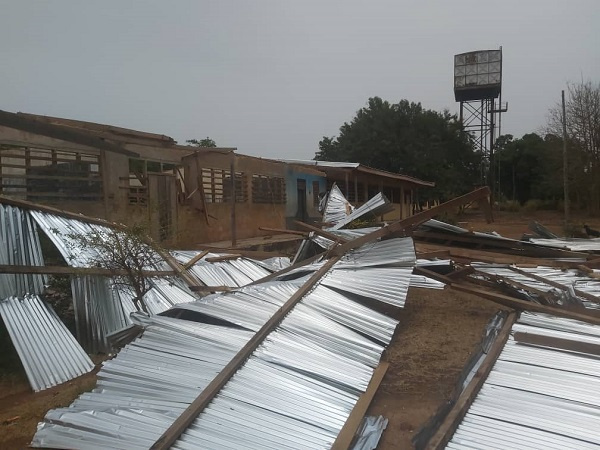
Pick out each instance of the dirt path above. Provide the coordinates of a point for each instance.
(438, 331)
(21, 409)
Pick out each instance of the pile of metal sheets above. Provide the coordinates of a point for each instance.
(101, 308)
(49, 352)
(538, 396)
(296, 390)
(568, 278)
(231, 273)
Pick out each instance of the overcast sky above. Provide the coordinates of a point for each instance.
(273, 77)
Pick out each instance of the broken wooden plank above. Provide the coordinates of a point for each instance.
(210, 289)
(223, 258)
(195, 259)
(515, 284)
(346, 435)
(582, 294)
(169, 437)
(504, 246)
(284, 231)
(326, 234)
(461, 273)
(385, 231)
(433, 275)
(589, 271)
(174, 264)
(454, 417)
(59, 212)
(440, 254)
(494, 257)
(588, 316)
(254, 254)
(555, 342)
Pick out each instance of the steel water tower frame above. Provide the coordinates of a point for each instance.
(477, 85)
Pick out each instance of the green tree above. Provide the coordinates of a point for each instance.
(206, 142)
(406, 138)
(529, 167)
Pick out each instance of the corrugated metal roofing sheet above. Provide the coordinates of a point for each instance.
(537, 396)
(575, 245)
(346, 234)
(337, 208)
(232, 273)
(290, 392)
(377, 205)
(19, 245)
(101, 308)
(49, 352)
(60, 231)
(398, 252)
(301, 385)
(388, 285)
(144, 388)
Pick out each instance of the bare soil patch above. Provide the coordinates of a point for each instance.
(438, 332)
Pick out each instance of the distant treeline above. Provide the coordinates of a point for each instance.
(407, 138)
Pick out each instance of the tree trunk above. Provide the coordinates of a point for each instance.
(139, 301)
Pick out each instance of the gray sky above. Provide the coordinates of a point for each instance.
(273, 77)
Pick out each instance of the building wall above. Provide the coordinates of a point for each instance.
(255, 210)
(34, 162)
(314, 184)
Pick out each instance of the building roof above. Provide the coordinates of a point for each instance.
(333, 166)
(110, 131)
(125, 141)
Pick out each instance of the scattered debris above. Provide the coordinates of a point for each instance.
(540, 392)
(370, 432)
(49, 352)
(232, 343)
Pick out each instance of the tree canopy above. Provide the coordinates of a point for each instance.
(128, 251)
(529, 167)
(583, 141)
(206, 142)
(406, 138)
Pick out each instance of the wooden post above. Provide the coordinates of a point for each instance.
(565, 164)
(105, 182)
(402, 216)
(347, 185)
(233, 224)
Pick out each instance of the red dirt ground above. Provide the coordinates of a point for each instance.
(437, 333)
